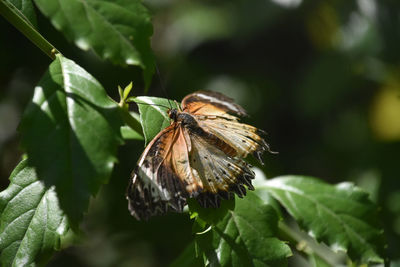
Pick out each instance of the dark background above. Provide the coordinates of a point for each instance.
(321, 77)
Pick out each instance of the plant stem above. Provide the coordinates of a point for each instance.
(305, 246)
(14, 16)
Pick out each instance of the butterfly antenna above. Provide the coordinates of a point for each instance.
(162, 86)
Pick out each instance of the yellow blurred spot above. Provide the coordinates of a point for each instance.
(385, 113)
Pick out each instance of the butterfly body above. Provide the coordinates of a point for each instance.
(198, 156)
(184, 118)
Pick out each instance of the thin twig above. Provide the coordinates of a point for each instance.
(18, 20)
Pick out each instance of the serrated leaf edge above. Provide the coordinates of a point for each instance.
(335, 246)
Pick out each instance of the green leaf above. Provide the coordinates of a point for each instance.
(342, 216)
(245, 236)
(71, 131)
(153, 115)
(32, 225)
(126, 91)
(188, 258)
(117, 30)
(128, 133)
(204, 217)
(26, 10)
(263, 193)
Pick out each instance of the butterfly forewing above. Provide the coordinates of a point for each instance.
(180, 163)
(155, 187)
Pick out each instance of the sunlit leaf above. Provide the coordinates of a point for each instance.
(342, 216)
(245, 236)
(71, 131)
(153, 115)
(32, 225)
(117, 30)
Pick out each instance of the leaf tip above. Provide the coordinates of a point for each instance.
(127, 90)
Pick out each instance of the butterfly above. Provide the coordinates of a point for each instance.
(199, 155)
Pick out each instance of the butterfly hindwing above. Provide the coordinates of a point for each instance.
(211, 103)
(211, 110)
(244, 138)
(214, 163)
(155, 187)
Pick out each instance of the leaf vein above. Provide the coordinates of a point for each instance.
(334, 215)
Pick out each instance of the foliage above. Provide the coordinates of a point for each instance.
(32, 224)
(58, 133)
(117, 30)
(243, 235)
(153, 115)
(342, 216)
(71, 131)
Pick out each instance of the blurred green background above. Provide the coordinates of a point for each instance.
(321, 77)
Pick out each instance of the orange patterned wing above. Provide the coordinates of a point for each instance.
(244, 138)
(162, 179)
(214, 163)
(211, 103)
(210, 110)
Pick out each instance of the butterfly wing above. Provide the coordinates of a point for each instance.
(160, 181)
(211, 111)
(244, 138)
(202, 160)
(214, 163)
(185, 162)
(211, 103)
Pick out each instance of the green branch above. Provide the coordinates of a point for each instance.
(305, 246)
(17, 19)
